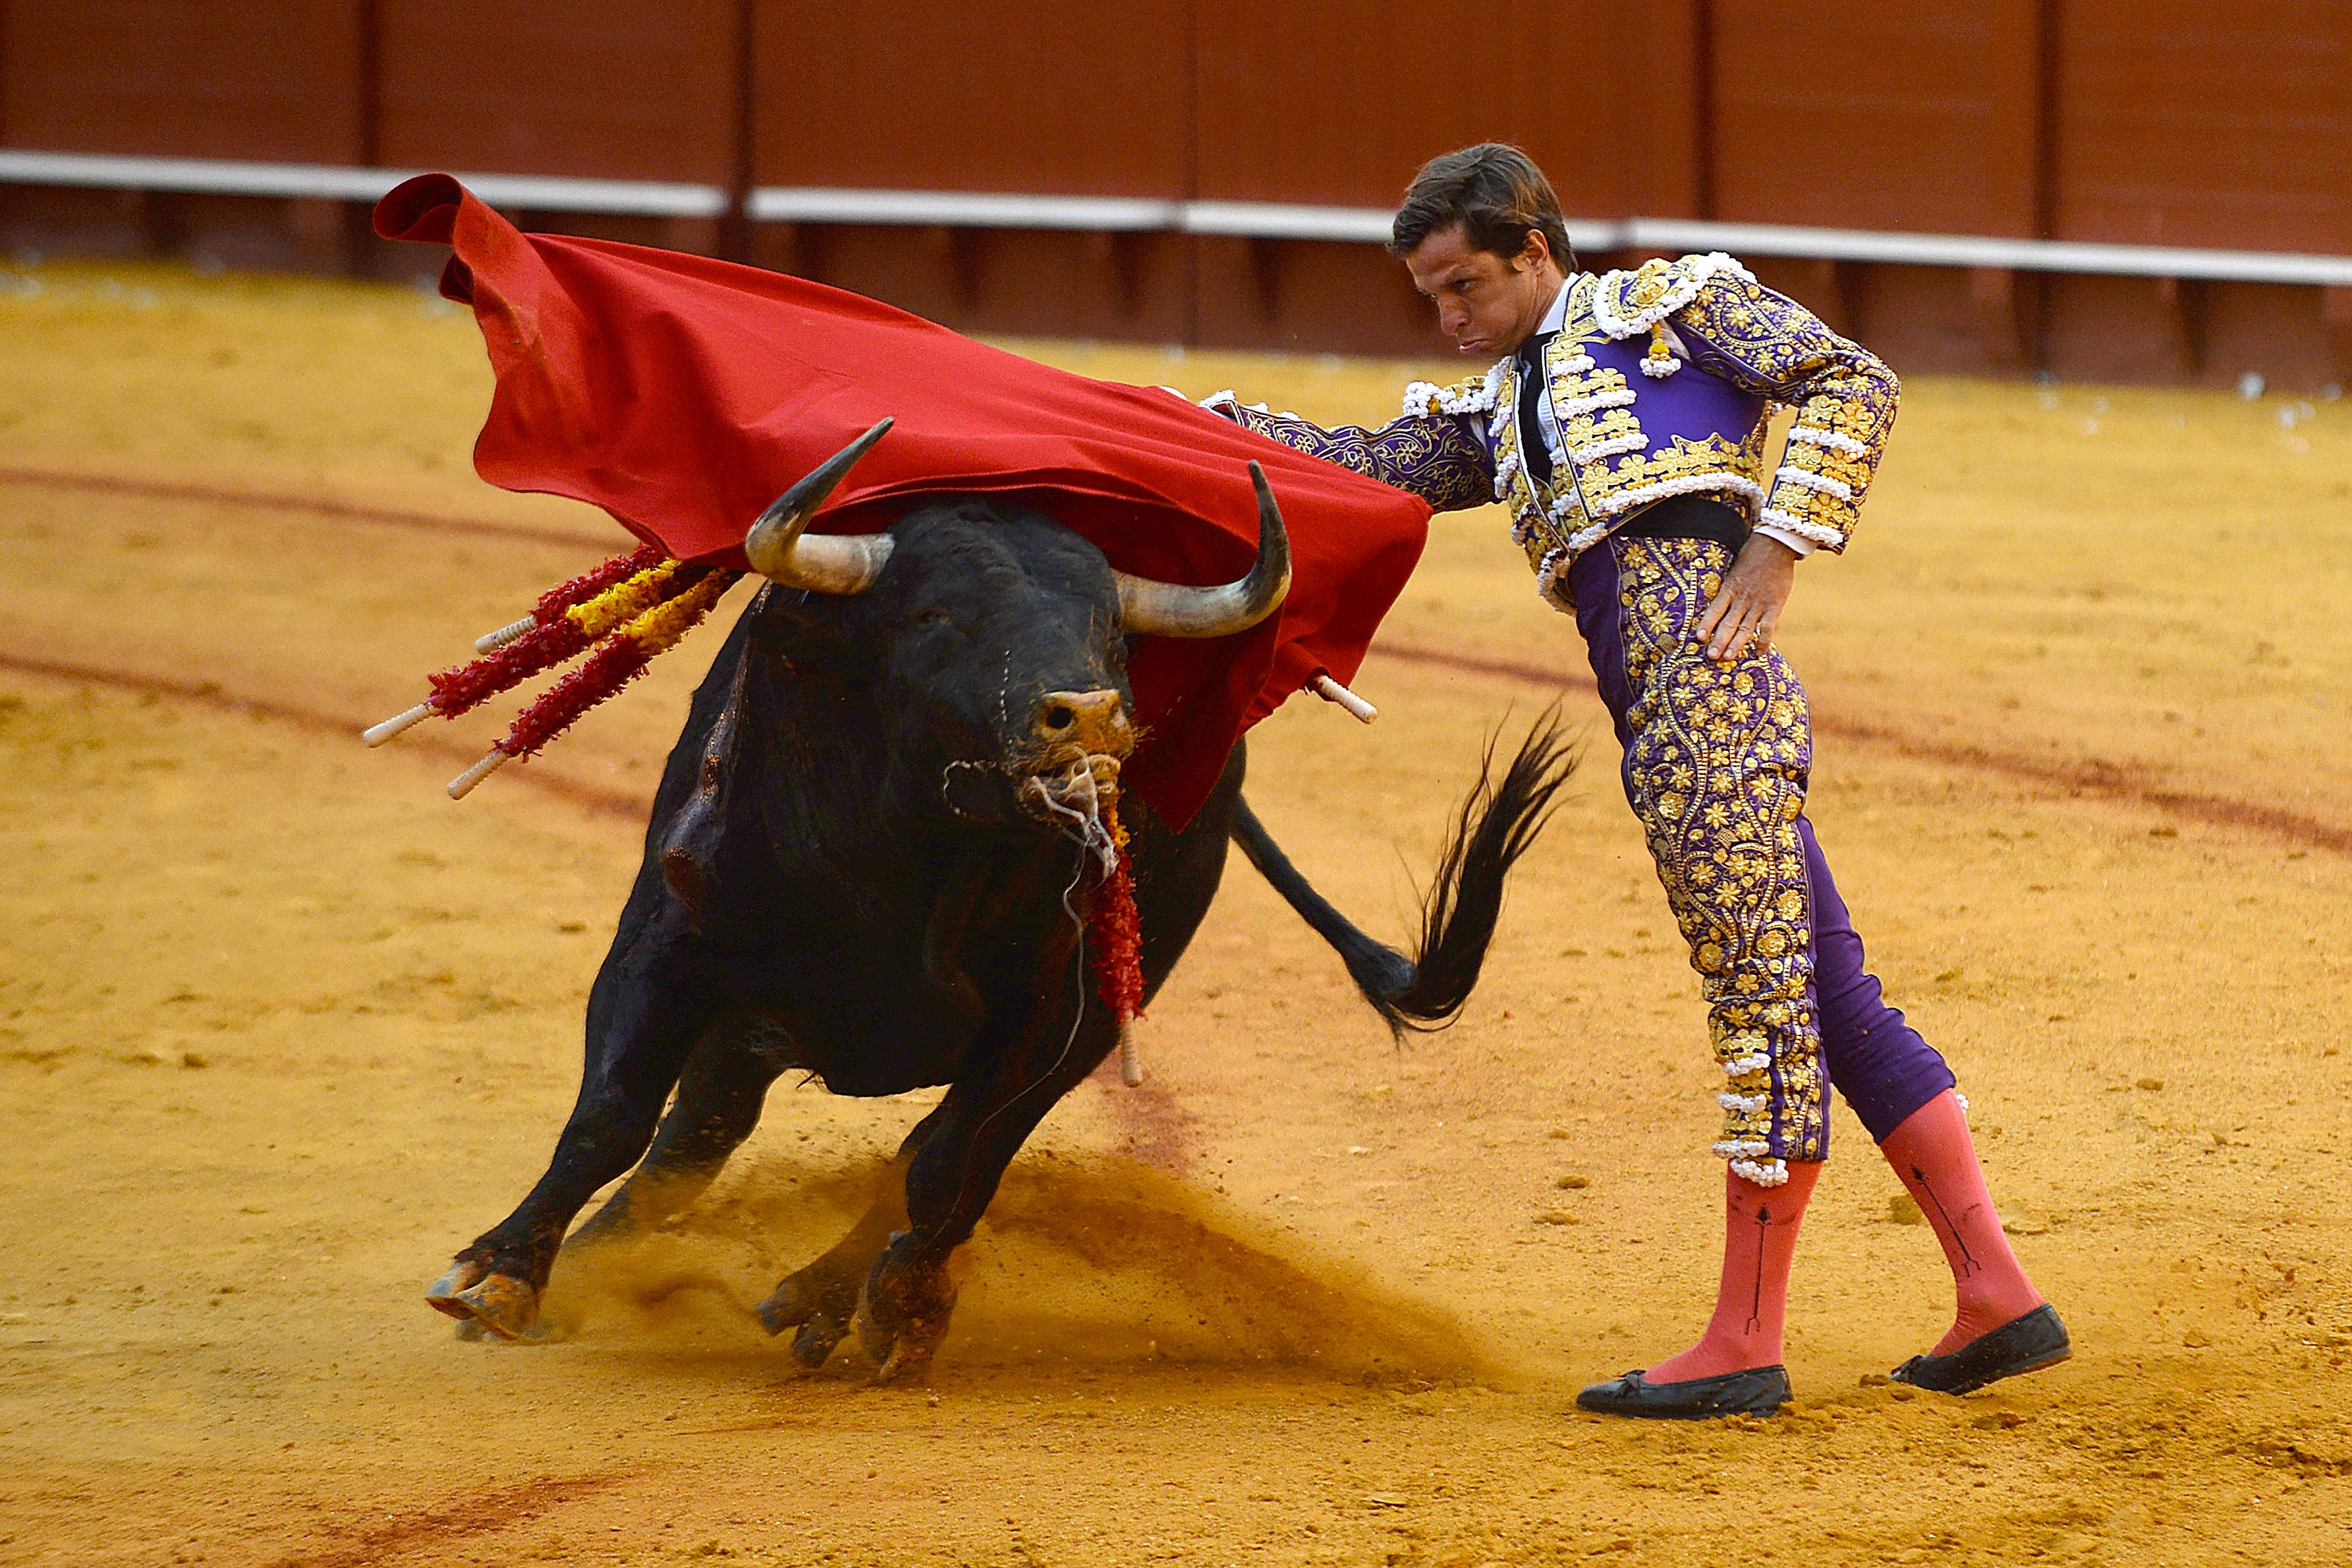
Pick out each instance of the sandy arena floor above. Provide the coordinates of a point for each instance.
(280, 1028)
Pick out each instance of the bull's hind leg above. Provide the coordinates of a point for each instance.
(643, 1018)
(821, 1298)
(720, 1097)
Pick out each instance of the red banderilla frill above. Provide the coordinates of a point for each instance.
(628, 610)
(1115, 941)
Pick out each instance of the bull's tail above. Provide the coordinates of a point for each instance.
(1496, 824)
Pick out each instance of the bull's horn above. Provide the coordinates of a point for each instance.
(781, 551)
(1169, 610)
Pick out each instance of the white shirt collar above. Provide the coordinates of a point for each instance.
(1557, 317)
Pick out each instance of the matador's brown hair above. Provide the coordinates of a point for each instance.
(1494, 191)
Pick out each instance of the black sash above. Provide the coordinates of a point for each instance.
(1689, 517)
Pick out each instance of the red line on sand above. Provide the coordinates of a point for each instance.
(2134, 785)
(272, 501)
(1158, 1128)
(209, 694)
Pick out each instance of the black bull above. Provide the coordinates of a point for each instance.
(854, 869)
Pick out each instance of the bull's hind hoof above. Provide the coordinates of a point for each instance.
(902, 1316)
(818, 1301)
(498, 1302)
(813, 1346)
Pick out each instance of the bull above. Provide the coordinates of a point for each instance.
(860, 866)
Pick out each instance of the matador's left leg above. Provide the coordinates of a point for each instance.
(1716, 764)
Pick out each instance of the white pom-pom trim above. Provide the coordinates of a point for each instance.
(1699, 270)
(1615, 397)
(1812, 532)
(1835, 440)
(1805, 479)
(1746, 488)
(1764, 1173)
(1593, 451)
(1420, 396)
(1504, 471)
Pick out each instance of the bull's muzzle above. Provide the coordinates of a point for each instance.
(1091, 724)
(1078, 739)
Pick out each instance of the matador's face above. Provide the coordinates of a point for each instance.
(1487, 304)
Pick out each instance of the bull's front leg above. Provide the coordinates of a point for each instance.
(904, 1308)
(643, 1015)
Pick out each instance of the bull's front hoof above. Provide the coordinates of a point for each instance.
(442, 1294)
(500, 1304)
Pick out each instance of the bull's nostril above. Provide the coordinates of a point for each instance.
(1058, 717)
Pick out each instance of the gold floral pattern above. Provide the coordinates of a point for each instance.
(1767, 343)
(1441, 457)
(1718, 769)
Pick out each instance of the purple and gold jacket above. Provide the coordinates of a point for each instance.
(1635, 424)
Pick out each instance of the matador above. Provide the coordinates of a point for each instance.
(1624, 423)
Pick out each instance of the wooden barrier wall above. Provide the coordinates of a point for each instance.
(2189, 123)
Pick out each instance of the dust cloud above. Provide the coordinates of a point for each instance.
(1098, 1261)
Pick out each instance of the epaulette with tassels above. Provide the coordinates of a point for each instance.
(621, 615)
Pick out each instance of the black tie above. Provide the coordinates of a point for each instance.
(1534, 452)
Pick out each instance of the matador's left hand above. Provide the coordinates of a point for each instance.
(1739, 621)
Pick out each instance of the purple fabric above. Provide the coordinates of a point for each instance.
(1689, 403)
(1876, 1061)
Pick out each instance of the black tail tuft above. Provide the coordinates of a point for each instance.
(1498, 823)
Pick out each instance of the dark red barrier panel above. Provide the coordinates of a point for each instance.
(991, 96)
(1859, 114)
(981, 95)
(186, 79)
(601, 89)
(2187, 123)
(1339, 105)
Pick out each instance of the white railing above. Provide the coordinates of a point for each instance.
(1124, 214)
(332, 182)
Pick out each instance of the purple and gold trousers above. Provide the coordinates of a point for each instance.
(1717, 758)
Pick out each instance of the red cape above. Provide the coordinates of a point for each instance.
(683, 395)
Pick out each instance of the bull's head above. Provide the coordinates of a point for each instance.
(996, 638)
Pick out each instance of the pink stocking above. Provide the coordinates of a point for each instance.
(1751, 1302)
(1937, 1161)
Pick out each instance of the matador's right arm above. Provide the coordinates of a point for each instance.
(1436, 449)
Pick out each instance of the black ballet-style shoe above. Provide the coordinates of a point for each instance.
(2022, 1344)
(1760, 1391)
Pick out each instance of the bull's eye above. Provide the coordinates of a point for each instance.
(933, 616)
